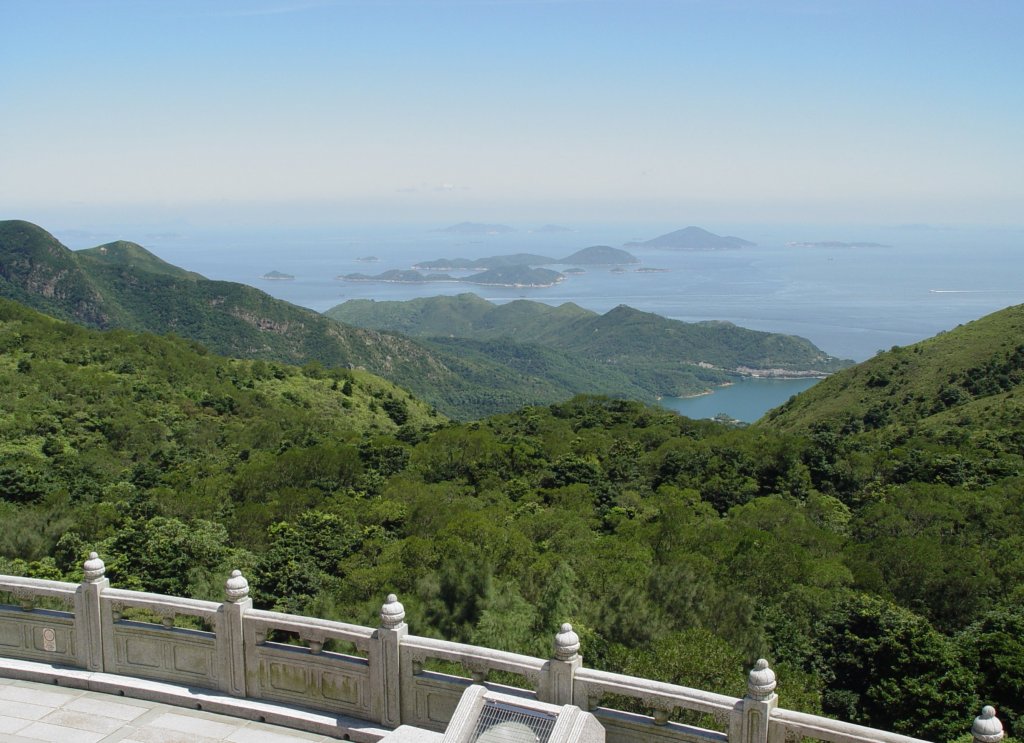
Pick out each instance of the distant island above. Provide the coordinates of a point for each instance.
(652, 270)
(693, 238)
(277, 276)
(595, 255)
(600, 255)
(507, 276)
(479, 264)
(835, 244)
(368, 259)
(476, 228)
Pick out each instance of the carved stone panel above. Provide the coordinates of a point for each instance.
(323, 680)
(48, 637)
(178, 656)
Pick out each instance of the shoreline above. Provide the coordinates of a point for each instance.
(792, 377)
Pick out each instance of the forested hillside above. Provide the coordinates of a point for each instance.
(623, 336)
(92, 420)
(652, 355)
(121, 285)
(979, 362)
(881, 576)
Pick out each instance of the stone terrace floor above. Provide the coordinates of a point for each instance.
(31, 712)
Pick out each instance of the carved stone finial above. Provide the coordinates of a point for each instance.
(236, 587)
(986, 727)
(567, 643)
(93, 568)
(392, 613)
(761, 681)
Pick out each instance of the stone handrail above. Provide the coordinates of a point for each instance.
(385, 683)
(164, 606)
(787, 725)
(477, 660)
(311, 630)
(590, 685)
(25, 588)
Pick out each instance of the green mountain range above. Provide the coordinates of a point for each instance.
(122, 285)
(659, 356)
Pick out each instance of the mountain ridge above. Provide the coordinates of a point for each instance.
(912, 384)
(232, 319)
(661, 356)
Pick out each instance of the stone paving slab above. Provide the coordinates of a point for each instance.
(31, 712)
(37, 697)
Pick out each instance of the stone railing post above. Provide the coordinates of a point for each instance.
(230, 635)
(755, 709)
(561, 669)
(987, 728)
(88, 619)
(385, 669)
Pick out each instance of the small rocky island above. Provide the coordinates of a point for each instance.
(507, 276)
(277, 276)
(595, 255)
(693, 238)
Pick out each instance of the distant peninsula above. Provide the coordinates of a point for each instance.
(277, 276)
(595, 255)
(835, 244)
(476, 228)
(506, 276)
(653, 355)
(693, 238)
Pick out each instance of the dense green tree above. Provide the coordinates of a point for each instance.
(886, 667)
(996, 641)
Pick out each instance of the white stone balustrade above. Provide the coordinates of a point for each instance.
(428, 698)
(386, 680)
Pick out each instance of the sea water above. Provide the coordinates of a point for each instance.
(850, 302)
(745, 400)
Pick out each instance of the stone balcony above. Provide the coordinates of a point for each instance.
(351, 682)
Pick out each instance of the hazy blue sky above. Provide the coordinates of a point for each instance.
(554, 110)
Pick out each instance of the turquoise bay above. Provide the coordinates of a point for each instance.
(746, 400)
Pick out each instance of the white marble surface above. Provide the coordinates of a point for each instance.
(31, 712)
